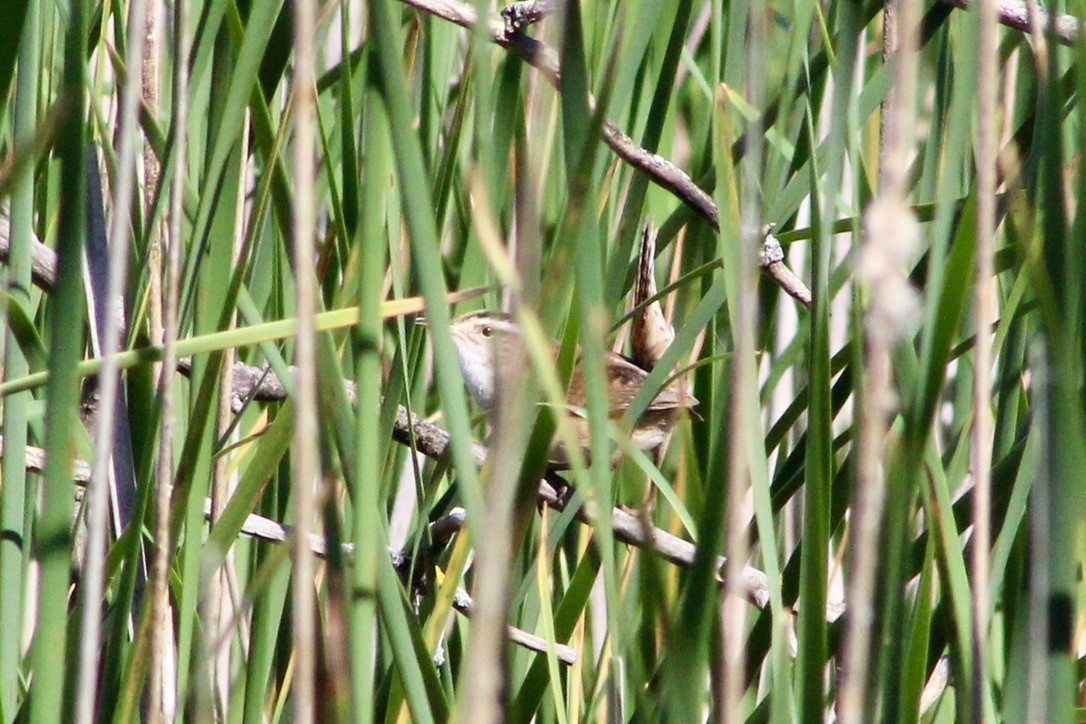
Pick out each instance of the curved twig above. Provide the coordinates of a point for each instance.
(260, 384)
(1015, 14)
(271, 531)
(257, 383)
(660, 171)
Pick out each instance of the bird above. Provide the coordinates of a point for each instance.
(484, 338)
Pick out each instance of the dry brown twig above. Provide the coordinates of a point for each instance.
(1012, 13)
(43, 260)
(432, 441)
(260, 384)
(270, 531)
(1015, 14)
(507, 32)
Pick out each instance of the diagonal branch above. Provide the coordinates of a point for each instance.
(260, 384)
(271, 531)
(433, 441)
(506, 32)
(1014, 14)
(659, 170)
(43, 260)
(429, 439)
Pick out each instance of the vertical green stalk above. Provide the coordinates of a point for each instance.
(880, 328)
(744, 420)
(1064, 518)
(162, 642)
(418, 211)
(1063, 501)
(814, 570)
(13, 533)
(52, 537)
(580, 228)
(650, 141)
(811, 629)
(92, 580)
(367, 342)
(213, 283)
(426, 253)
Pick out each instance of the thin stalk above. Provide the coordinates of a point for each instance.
(508, 466)
(162, 699)
(93, 580)
(52, 536)
(151, 174)
(367, 524)
(744, 379)
(305, 462)
(884, 275)
(13, 491)
(217, 601)
(984, 311)
(1038, 615)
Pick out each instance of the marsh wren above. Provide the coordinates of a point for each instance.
(484, 338)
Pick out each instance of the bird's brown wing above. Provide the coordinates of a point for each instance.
(625, 380)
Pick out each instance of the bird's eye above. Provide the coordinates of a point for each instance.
(487, 330)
